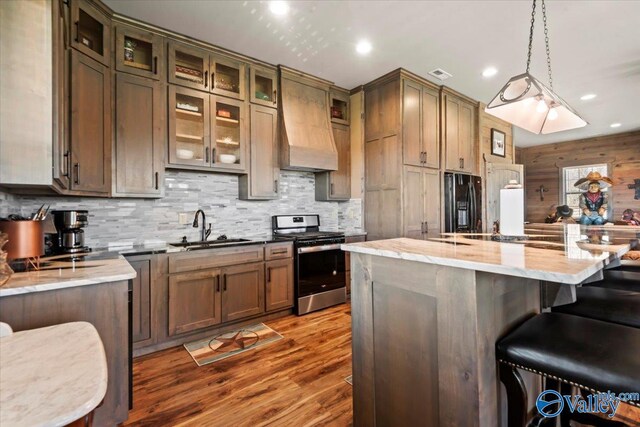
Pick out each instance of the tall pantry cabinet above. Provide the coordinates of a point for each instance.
(402, 145)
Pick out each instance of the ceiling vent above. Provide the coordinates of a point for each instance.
(440, 74)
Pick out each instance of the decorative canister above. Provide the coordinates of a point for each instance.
(25, 238)
(129, 48)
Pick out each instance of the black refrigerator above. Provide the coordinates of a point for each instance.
(462, 203)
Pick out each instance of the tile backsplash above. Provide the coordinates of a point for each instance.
(139, 221)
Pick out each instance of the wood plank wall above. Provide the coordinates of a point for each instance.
(485, 123)
(542, 167)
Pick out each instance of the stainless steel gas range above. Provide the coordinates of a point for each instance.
(319, 263)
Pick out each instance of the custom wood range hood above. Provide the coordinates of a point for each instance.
(306, 139)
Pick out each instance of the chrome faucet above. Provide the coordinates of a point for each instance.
(204, 232)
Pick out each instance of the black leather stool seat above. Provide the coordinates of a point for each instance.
(606, 304)
(591, 354)
(625, 278)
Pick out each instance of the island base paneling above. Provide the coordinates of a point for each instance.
(446, 354)
(100, 305)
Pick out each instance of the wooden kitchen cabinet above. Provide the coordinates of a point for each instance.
(138, 52)
(242, 291)
(140, 137)
(420, 125)
(228, 134)
(460, 133)
(195, 301)
(189, 127)
(187, 66)
(279, 284)
(141, 300)
(339, 105)
(421, 202)
(91, 31)
(336, 185)
(228, 76)
(261, 183)
(347, 258)
(61, 66)
(90, 170)
(263, 85)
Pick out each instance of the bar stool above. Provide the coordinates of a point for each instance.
(606, 304)
(590, 354)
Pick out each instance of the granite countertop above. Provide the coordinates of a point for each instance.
(64, 271)
(51, 376)
(564, 254)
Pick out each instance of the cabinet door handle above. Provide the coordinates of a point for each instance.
(275, 186)
(157, 180)
(333, 190)
(77, 32)
(77, 167)
(426, 227)
(212, 81)
(217, 283)
(268, 274)
(67, 165)
(213, 155)
(206, 154)
(224, 282)
(206, 79)
(155, 65)
(425, 157)
(275, 96)
(279, 252)
(462, 162)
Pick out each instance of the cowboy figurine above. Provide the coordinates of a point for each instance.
(593, 202)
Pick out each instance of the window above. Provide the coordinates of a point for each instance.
(571, 194)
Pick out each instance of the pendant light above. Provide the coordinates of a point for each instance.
(527, 103)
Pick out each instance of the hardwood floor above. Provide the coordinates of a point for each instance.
(296, 381)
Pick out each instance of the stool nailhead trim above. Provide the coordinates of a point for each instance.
(636, 404)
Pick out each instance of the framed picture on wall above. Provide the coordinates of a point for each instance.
(498, 145)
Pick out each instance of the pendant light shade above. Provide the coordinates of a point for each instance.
(527, 103)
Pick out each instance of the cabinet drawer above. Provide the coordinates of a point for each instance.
(278, 251)
(210, 258)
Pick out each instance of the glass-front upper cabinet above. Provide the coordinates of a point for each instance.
(263, 86)
(229, 77)
(228, 133)
(138, 52)
(90, 31)
(188, 66)
(189, 132)
(339, 106)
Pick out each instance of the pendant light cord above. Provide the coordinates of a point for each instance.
(546, 39)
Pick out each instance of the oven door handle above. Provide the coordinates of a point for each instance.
(318, 248)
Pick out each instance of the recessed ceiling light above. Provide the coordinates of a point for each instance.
(615, 125)
(489, 72)
(278, 7)
(363, 47)
(588, 97)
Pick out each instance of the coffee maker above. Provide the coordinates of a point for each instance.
(70, 237)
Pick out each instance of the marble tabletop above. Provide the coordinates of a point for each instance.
(65, 271)
(558, 253)
(51, 376)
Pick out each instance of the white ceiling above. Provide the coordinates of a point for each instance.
(595, 45)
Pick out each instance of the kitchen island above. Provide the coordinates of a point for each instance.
(426, 315)
(94, 289)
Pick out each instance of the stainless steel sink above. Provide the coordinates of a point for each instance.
(192, 246)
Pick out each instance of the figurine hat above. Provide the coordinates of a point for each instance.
(564, 211)
(603, 181)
